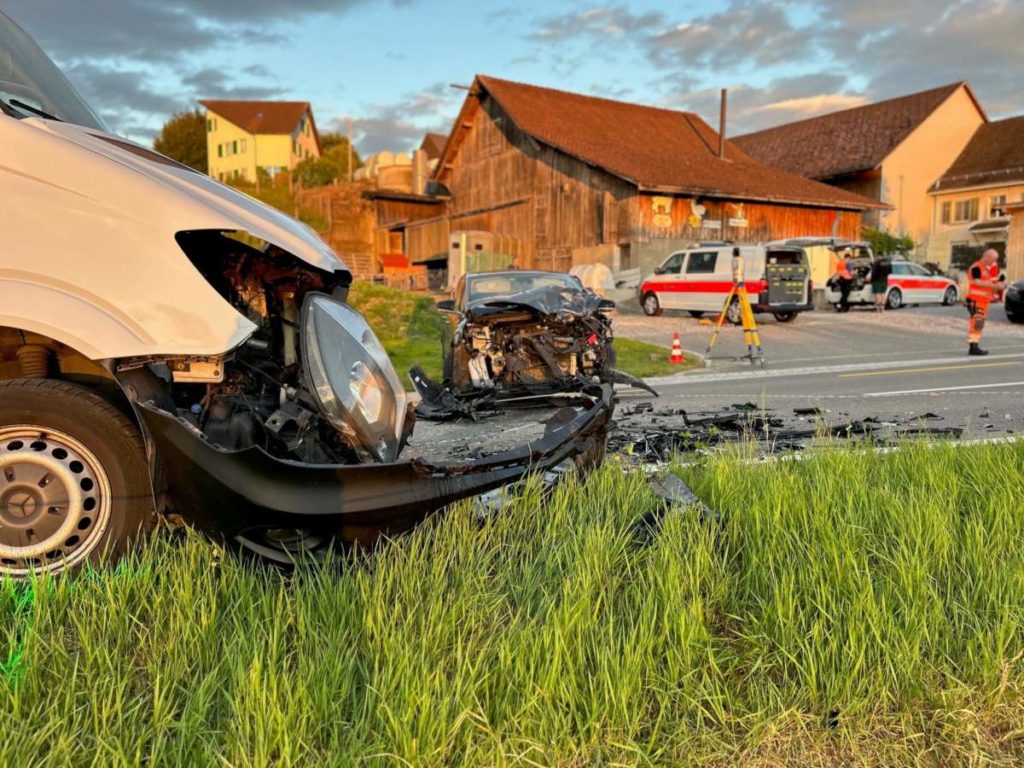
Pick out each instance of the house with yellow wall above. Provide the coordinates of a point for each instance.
(891, 151)
(245, 136)
(970, 200)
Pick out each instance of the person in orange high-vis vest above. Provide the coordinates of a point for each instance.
(844, 281)
(984, 285)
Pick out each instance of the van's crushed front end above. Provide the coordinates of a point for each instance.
(296, 434)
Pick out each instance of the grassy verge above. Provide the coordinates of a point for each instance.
(850, 609)
(407, 324)
(643, 359)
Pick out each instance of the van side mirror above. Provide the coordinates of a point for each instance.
(446, 305)
(659, 270)
(606, 304)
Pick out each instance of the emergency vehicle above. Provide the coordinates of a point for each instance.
(699, 279)
(909, 283)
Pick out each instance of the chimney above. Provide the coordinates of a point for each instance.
(721, 124)
(419, 171)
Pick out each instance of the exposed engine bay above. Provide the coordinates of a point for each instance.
(542, 341)
(263, 393)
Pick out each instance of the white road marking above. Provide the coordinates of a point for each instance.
(777, 373)
(945, 389)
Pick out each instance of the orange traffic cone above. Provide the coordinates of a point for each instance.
(676, 357)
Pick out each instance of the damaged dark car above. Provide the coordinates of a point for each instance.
(517, 334)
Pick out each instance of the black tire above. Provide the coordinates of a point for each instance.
(697, 313)
(950, 296)
(611, 355)
(97, 499)
(734, 314)
(650, 304)
(784, 317)
(895, 299)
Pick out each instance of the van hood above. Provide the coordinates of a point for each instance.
(235, 209)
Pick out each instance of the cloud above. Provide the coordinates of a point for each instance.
(211, 83)
(596, 23)
(135, 60)
(808, 106)
(399, 126)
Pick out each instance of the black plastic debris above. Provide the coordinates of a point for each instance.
(812, 411)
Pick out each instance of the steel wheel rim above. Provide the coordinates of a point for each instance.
(651, 304)
(950, 297)
(895, 300)
(55, 500)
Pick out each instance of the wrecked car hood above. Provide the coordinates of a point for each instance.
(546, 300)
(90, 255)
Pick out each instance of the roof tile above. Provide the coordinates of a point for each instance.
(259, 116)
(995, 154)
(658, 149)
(848, 141)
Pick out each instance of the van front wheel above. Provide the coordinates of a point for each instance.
(651, 305)
(74, 481)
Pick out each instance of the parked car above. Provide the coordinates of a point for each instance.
(909, 283)
(528, 332)
(698, 280)
(1014, 302)
(170, 344)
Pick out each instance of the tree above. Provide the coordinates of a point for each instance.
(183, 138)
(334, 148)
(315, 172)
(885, 242)
(331, 165)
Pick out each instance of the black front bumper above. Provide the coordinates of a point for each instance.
(229, 491)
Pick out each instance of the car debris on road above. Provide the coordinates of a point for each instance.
(644, 434)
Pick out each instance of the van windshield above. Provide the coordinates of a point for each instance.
(32, 86)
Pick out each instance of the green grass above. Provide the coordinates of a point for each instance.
(407, 324)
(851, 609)
(642, 359)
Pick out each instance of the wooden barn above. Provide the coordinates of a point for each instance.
(554, 179)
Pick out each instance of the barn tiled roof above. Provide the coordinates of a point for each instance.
(433, 145)
(848, 141)
(994, 155)
(657, 149)
(259, 116)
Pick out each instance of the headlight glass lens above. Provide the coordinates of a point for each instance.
(351, 376)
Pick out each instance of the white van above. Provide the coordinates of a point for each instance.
(168, 344)
(699, 279)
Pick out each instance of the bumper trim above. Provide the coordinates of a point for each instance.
(229, 491)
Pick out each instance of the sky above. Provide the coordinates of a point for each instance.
(389, 66)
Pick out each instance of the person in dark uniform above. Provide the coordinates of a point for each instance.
(880, 272)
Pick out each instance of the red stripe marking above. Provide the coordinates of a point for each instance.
(707, 286)
(917, 283)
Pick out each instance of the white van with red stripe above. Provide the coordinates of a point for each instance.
(699, 279)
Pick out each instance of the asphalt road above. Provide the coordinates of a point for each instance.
(896, 366)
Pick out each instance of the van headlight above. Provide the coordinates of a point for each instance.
(351, 376)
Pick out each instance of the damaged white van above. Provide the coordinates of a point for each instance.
(168, 344)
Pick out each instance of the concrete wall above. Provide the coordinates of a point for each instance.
(928, 152)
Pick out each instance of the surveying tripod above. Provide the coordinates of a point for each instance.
(738, 294)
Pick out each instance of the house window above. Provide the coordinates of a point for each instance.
(966, 210)
(220, 150)
(997, 206)
(243, 145)
(209, 125)
(234, 147)
(947, 212)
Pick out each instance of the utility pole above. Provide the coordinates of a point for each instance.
(351, 171)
